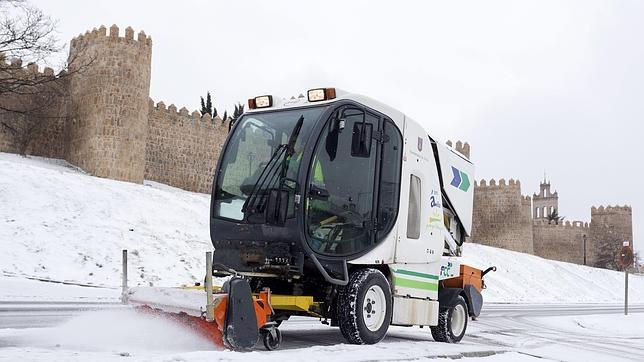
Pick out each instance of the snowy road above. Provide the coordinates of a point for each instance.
(37, 314)
(531, 329)
(557, 332)
(549, 332)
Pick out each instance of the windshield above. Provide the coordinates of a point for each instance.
(263, 152)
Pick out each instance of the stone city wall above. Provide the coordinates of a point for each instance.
(35, 112)
(182, 148)
(563, 241)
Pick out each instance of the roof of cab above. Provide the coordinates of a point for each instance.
(396, 115)
(283, 103)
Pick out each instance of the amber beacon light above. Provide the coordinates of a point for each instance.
(260, 102)
(321, 94)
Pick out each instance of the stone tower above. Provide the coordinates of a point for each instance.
(612, 225)
(545, 202)
(502, 216)
(109, 103)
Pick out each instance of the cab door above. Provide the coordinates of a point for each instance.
(341, 193)
(420, 223)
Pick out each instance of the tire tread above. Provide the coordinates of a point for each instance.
(347, 306)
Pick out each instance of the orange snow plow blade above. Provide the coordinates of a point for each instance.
(239, 317)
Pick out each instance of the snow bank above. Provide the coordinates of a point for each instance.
(20, 289)
(528, 278)
(58, 223)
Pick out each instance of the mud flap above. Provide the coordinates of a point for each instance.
(447, 297)
(240, 328)
(474, 300)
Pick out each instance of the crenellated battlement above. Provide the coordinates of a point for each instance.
(492, 183)
(566, 224)
(461, 147)
(605, 210)
(184, 115)
(32, 69)
(102, 34)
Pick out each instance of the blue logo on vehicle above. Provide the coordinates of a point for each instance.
(461, 181)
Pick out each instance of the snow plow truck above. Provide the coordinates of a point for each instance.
(335, 206)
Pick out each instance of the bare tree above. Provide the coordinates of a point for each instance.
(607, 254)
(30, 100)
(25, 32)
(33, 111)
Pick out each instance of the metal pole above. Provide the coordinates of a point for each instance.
(584, 249)
(210, 312)
(124, 278)
(626, 291)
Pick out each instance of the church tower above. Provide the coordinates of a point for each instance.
(545, 202)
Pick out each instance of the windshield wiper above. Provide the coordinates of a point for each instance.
(290, 147)
(269, 173)
(268, 169)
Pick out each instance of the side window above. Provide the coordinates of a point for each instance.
(388, 194)
(413, 218)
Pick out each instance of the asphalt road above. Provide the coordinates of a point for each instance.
(501, 328)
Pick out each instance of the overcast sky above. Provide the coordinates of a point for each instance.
(555, 87)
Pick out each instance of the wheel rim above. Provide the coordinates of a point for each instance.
(374, 308)
(457, 322)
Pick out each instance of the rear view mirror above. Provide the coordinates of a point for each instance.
(361, 140)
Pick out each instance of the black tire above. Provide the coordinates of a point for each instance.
(443, 331)
(271, 342)
(351, 309)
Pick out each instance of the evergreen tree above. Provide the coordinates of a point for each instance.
(554, 216)
(225, 116)
(206, 106)
(209, 103)
(204, 110)
(239, 110)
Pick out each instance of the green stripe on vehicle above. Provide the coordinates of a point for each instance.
(416, 274)
(415, 284)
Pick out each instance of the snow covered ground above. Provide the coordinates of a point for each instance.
(58, 223)
(17, 289)
(523, 278)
